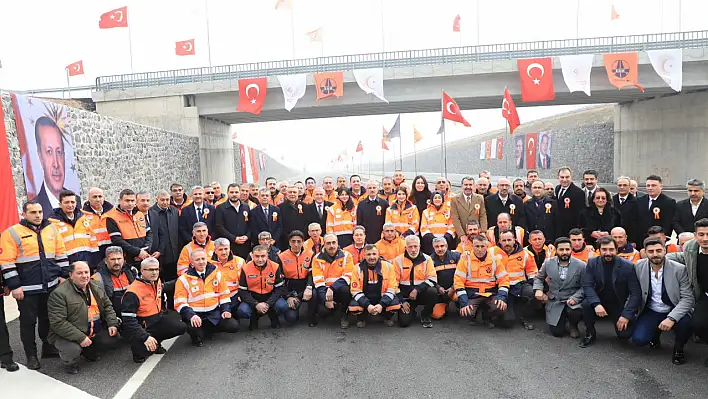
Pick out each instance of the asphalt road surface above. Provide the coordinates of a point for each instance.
(452, 359)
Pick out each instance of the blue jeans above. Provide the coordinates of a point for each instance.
(246, 311)
(647, 328)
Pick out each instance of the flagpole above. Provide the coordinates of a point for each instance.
(506, 159)
(415, 157)
(206, 15)
(130, 48)
(68, 84)
(577, 20)
(478, 38)
(292, 27)
(400, 151)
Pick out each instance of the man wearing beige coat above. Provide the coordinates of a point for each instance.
(467, 206)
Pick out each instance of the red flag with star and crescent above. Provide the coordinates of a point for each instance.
(383, 145)
(456, 23)
(451, 111)
(117, 18)
(359, 147)
(500, 147)
(76, 68)
(509, 112)
(185, 47)
(251, 94)
(531, 144)
(536, 79)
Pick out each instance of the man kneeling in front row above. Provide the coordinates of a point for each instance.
(416, 277)
(143, 321)
(202, 299)
(374, 288)
(81, 318)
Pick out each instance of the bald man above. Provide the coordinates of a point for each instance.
(625, 250)
(505, 202)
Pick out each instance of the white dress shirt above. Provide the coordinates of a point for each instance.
(655, 303)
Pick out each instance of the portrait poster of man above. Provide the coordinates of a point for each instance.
(46, 150)
(519, 150)
(544, 150)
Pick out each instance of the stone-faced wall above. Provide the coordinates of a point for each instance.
(114, 154)
(580, 140)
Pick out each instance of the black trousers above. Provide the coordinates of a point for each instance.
(241, 250)
(614, 312)
(207, 329)
(573, 317)
(342, 297)
(168, 271)
(164, 329)
(5, 349)
(519, 306)
(427, 298)
(33, 311)
(700, 318)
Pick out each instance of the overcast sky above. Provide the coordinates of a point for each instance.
(44, 36)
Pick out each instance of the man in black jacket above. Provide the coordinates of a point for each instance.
(504, 202)
(541, 212)
(626, 203)
(571, 201)
(371, 213)
(611, 289)
(318, 210)
(164, 223)
(691, 209)
(231, 221)
(293, 214)
(655, 208)
(197, 211)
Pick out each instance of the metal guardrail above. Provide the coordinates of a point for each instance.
(597, 45)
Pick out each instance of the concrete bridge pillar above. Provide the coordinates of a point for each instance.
(667, 136)
(177, 113)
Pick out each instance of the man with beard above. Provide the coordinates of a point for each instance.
(571, 201)
(115, 276)
(231, 221)
(504, 202)
(626, 203)
(531, 176)
(294, 216)
(472, 231)
(445, 265)
(590, 182)
(373, 289)
(655, 208)
(467, 207)
(565, 294)
(611, 290)
(391, 244)
(541, 212)
(519, 191)
(691, 209)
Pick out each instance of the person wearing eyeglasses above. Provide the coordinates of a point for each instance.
(143, 321)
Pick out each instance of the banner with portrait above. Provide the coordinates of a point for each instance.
(46, 150)
(544, 150)
(519, 151)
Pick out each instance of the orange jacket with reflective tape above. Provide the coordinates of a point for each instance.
(463, 247)
(76, 235)
(261, 281)
(406, 220)
(184, 255)
(485, 277)
(519, 233)
(310, 246)
(27, 265)
(389, 283)
(128, 231)
(390, 198)
(414, 274)
(296, 266)
(141, 308)
(230, 270)
(436, 222)
(584, 255)
(520, 264)
(389, 250)
(340, 221)
(356, 253)
(194, 295)
(326, 269)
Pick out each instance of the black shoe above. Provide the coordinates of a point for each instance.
(678, 358)
(655, 343)
(33, 363)
(9, 366)
(253, 324)
(312, 324)
(48, 351)
(139, 359)
(427, 323)
(198, 342)
(160, 350)
(72, 368)
(91, 357)
(587, 341)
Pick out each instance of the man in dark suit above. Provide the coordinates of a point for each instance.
(265, 217)
(626, 203)
(317, 211)
(231, 221)
(691, 209)
(541, 212)
(164, 223)
(655, 208)
(293, 217)
(50, 152)
(197, 211)
(571, 201)
(371, 213)
(504, 202)
(611, 289)
(544, 153)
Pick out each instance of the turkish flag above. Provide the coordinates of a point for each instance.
(185, 47)
(330, 84)
(623, 69)
(451, 111)
(117, 18)
(456, 23)
(251, 94)
(383, 145)
(254, 163)
(500, 147)
(509, 112)
(8, 210)
(531, 145)
(77, 68)
(536, 79)
(488, 149)
(359, 147)
(242, 151)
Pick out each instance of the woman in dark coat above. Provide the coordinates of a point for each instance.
(600, 218)
(420, 194)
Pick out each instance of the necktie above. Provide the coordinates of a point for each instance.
(589, 201)
(199, 214)
(543, 161)
(621, 201)
(265, 212)
(562, 192)
(201, 275)
(319, 210)
(468, 200)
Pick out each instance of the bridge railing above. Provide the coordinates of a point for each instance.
(407, 58)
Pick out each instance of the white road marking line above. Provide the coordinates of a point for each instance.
(17, 385)
(11, 312)
(134, 383)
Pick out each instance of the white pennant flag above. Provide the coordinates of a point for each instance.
(371, 81)
(483, 150)
(576, 71)
(294, 87)
(668, 64)
(494, 149)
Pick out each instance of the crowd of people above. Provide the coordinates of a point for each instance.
(93, 273)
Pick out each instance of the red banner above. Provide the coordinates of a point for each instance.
(500, 147)
(242, 150)
(254, 163)
(531, 145)
(8, 211)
